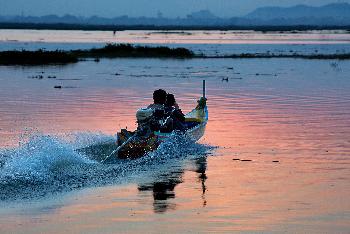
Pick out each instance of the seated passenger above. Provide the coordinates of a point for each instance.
(172, 109)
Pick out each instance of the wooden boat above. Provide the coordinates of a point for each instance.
(130, 146)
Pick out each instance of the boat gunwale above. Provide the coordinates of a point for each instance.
(189, 131)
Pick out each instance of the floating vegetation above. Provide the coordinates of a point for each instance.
(335, 66)
(39, 77)
(42, 57)
(128, 50)
(172, 32)
(225, 79)
(264, 74)
(39, 57)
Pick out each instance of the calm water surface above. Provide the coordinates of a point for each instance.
(286, 120)
(207, 42)
(296, 112)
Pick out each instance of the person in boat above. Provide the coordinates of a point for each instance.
(161, 121)
(159, 99)
(173, 110)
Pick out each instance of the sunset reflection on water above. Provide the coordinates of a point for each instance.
(279, 157)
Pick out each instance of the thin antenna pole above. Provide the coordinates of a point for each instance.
(204, 88)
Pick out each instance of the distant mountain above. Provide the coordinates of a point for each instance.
(203, 14)
(334, 10)
(199, 18)
(336, 14)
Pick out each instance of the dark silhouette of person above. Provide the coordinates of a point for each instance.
(159, 99)
(173, 110)
(163, 189)
(201, 164)
(162, 122)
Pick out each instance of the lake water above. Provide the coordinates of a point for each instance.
(286, 120)
(207, 42)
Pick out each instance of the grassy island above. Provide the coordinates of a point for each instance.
(39, 57)
(42, 57)
(127, 50)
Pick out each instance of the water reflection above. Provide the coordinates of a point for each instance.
(300, 117)
(163, 188)
(201, 168)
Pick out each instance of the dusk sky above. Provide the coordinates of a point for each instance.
(169, 8)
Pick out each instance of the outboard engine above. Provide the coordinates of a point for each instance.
(143, 114)
(144, 118)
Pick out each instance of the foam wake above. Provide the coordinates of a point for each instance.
(47, 164)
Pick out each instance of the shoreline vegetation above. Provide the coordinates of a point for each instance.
(42, 57)
(87, 27)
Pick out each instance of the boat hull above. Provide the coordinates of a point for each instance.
(197, 118)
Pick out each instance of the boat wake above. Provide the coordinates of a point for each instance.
(46, 164)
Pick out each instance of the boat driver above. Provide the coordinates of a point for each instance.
(161, 122)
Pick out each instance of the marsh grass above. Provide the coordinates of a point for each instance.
(42, 57)
(39, 57)
(128, 50)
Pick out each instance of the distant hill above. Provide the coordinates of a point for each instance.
(337, 11)
(203, 14)
(336, 14)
